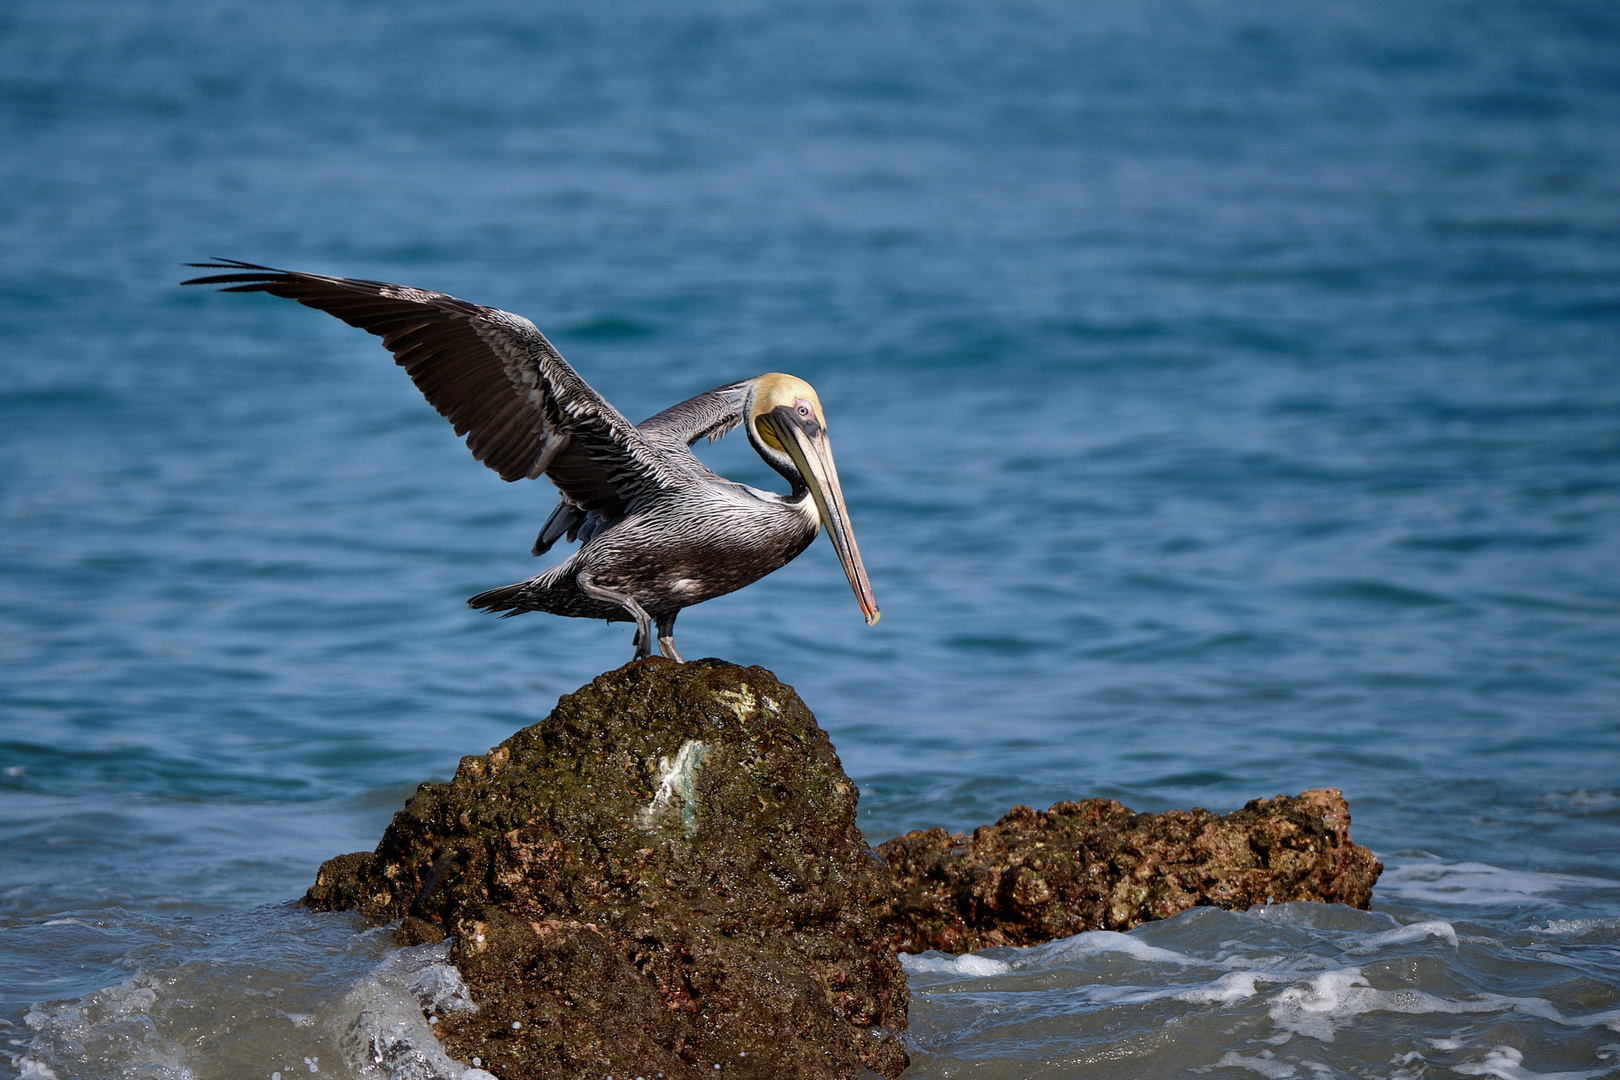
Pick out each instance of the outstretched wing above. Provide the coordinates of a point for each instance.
(494, 376)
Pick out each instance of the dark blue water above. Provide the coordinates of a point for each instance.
(1225, 395)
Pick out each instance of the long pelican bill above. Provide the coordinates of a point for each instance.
(812, 453)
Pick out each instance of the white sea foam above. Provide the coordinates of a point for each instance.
(439, 986)
(1097, 943)
(29, 1069)
(1412, 932)
(384, 1033)
(1577, 926)
(1264, 1063)
(1583, 800)
(1311, 992)
(1089, 944)
(146, 1026)
(1316, 981)
(1507, 1063)
(111, 1027)
(968, 964)
(1475, 884)
(1318, 1007)
(1610, 1020)
(1231, 987)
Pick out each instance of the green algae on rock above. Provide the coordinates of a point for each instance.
(663, 876)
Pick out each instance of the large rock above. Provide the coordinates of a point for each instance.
(662, 877)
(1036, 875)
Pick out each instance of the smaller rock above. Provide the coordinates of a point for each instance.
(1037, 875)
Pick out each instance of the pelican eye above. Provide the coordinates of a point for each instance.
(804, 414)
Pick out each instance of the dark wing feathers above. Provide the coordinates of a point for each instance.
(498, 381)
(566, 519)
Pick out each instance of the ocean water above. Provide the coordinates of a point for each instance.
(1225, 395)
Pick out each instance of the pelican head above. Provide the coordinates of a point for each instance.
(786, 425)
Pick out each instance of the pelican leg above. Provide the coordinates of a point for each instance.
(666, 637)
(626, 601)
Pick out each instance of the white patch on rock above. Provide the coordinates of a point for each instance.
(677, 782)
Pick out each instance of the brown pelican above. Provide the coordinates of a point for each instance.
(660, 531)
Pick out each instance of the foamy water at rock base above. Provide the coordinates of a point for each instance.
(1224, 396)
(275, 992)
(1294, 990)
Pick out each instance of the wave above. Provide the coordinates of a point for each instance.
(1266, 991)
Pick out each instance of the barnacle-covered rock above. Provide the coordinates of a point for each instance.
(665, 876)
(1036, 875)
(662, 876)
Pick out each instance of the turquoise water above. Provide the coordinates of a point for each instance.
(1225, 397)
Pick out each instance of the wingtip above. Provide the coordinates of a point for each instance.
(218, 263)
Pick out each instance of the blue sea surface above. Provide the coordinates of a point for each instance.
(1226, 395)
